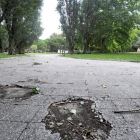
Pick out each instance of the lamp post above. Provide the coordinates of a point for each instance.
(64, 38)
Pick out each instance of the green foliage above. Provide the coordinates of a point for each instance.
(114, 47)
(3, 38)
(51, 44)
(54, 44)
(23, 24)
(41, 45)
(68, 11)
(35, 90)
(103, 25)
(34, 47)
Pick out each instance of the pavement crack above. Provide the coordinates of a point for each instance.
(14, 121)
(23, 131)
(28, 124)
(86, 82)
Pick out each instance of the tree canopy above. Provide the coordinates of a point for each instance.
(104, 25)
(22, 22)
(51, 44)
(68, 10)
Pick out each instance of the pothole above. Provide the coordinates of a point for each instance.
(16, 92)
(77, 119)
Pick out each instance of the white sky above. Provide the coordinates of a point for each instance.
(50, 19)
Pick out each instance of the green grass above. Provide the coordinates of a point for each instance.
(108, 56)
(39, 53)
(97, 56)
(3, 55)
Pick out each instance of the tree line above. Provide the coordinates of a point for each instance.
(20, 24)
(102, 25)
(52, 44)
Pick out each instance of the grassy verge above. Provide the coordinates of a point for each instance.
(39, 53)
(108, 56)
(3, 55)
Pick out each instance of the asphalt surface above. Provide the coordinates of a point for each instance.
(59, 78)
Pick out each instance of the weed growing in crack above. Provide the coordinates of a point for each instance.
(35, 90)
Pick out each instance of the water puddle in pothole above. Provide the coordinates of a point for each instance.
(77, 119)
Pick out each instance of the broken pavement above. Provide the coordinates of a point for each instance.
(62, 78)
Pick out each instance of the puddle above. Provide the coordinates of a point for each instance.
(15, 92)
(77, 119)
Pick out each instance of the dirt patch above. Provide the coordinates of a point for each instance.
(77, 119)
(36, 63)
(36, 81)
(33, 80)
(15, 92)
(2, 93)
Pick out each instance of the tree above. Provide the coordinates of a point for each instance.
(28, 32)
(3, 38)
(106, 24)
(55, 35)
(22, 22)
(123, 18)
(87, 21)
(54, 44)
(68, 10)
(34, 47)
(41, 45)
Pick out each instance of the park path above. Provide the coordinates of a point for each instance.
(60, 77)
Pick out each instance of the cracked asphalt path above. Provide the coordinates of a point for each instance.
(60, 77)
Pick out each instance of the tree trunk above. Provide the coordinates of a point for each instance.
(71, 46)
(0, 42)
(20, 49)
(101, 50)
(71, 49)
(85, 47)
(11, 49)
(0, 45)
(102, 42)
(11, 45)
(10, 29)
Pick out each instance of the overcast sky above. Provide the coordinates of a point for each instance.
(50, 19)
